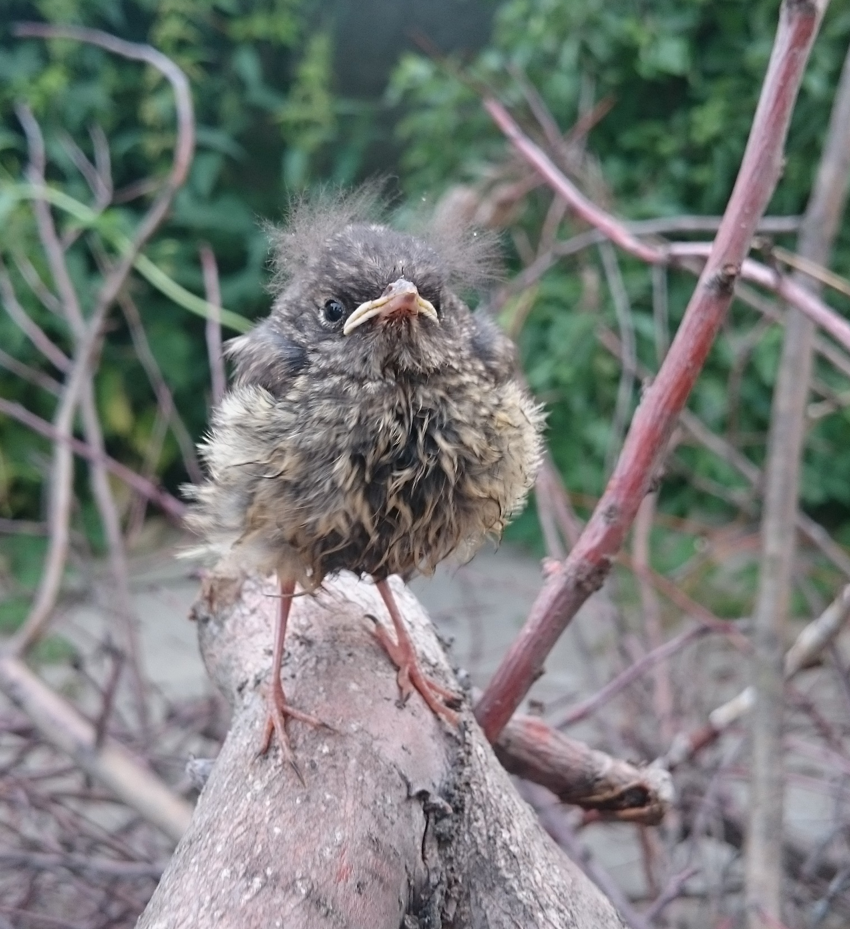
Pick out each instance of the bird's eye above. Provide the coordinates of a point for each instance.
(333, 311)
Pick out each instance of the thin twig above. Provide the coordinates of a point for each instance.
(213, 326)
(651, 609)
(161, 498)
(164, 396)
(812, 641)
(101, 191)
(625, 389)
(87, 345)
(112, 765)
(31, 375)
(632, 673)
(36, 284)
(25, 323)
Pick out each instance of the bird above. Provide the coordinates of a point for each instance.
(375, 424)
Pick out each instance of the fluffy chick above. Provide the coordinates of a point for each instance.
(375, 424)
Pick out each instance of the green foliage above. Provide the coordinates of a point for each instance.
(268, 122)
(683, 80)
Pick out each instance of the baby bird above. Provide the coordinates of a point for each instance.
(375, 424)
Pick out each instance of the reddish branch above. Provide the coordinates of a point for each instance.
(783, 286)
(581, 205)
(626, 235)
(590, 561)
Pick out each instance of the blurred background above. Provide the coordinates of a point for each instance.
(655, 104)
(646, 107)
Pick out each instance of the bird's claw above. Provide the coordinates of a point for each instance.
(277, 712)
(411, 677)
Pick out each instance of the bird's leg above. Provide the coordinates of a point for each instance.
(277, 707)
(403, 655)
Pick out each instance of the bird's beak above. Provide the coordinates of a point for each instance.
(399, 299)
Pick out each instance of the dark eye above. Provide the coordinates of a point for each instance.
(333, 311)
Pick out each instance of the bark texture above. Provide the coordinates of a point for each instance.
(399, 821)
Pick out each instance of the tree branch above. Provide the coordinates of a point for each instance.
(399, 821)
(88, 333)
(764, 872)
(109, 763)
(590, 561)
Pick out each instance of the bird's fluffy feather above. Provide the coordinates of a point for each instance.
(380, 452)
(469, 258)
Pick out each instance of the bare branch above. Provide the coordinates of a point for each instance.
(111, 765)
(782, 285)
(168, 504)
(31, 329)
(164, 397)
(810, 644)
(582, 206)
(764, 875)
(716, 444)
(88, 333)
(590, 561)
(582, 776)
(651, 609)
(625, 324)
(213, 327)
(31, 375)
(632, 673)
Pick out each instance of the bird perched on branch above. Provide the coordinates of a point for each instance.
(375, 424)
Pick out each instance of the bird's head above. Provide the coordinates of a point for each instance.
(377, 298)
(362, 297)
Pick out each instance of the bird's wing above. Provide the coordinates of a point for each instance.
(267, 357)
(493, 348)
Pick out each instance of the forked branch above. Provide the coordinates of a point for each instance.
(588, 564)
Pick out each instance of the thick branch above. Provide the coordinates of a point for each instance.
(579, 775)
(400, 821)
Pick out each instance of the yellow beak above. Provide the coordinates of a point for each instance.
(400, 298)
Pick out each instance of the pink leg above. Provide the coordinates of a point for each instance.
(403, 656)
(278, 709)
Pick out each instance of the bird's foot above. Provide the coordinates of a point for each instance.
(278, 710)
(411, 676)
